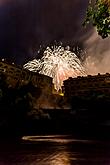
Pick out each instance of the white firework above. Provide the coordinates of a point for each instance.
(58, 63)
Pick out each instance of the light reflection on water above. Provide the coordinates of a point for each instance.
(55, 150)
(54, 138)
(60, 158)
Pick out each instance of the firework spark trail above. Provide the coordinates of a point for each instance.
(58, 63)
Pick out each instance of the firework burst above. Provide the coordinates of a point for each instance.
(58, 63)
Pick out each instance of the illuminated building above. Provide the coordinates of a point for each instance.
(88, 86)
(19, 76)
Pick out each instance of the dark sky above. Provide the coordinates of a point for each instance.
(25, 24)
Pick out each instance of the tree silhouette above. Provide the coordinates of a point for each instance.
(98, 13)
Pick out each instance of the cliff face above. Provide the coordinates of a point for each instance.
(23, 95)
(19, 92)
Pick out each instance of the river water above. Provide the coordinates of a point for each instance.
(55, 150)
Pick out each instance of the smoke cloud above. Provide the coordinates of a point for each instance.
(98, 54)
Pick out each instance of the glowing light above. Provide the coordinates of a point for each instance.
(61, 94)
(58, 63)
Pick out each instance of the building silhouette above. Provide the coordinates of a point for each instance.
(88, 86)
(19, 76)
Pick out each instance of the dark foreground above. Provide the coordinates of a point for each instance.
(55, 150)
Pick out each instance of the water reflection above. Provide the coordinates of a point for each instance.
(56, 154)
(54, 139)
(60, 158)
(53, 150)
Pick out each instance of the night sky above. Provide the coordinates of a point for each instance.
(25, 25)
